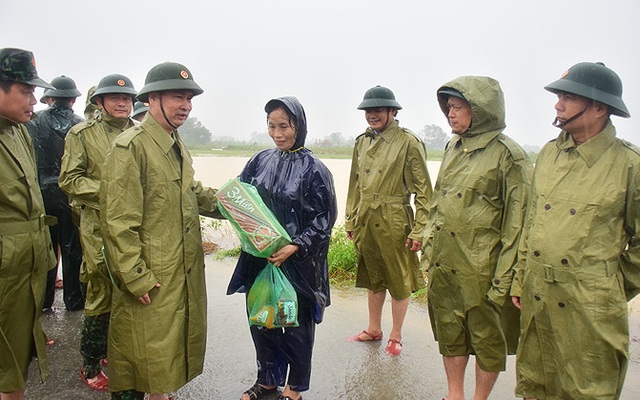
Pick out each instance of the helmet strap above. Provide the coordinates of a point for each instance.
(164, 114)
(559, 124)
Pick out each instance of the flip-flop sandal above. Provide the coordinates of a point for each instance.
(101, 384)
(394, 347)
(373, 337)
(256, 391)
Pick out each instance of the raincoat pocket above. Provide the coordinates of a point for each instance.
(272, 301)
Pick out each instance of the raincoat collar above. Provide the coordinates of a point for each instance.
(592, 149)
(387, 134)
(118, 123)
(472, 143)
(159, 135)
(7, 123)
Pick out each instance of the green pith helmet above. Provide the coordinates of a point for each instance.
(138, 108)
(17, 65)
(594, 81)
(168, 76)
(63, 87)
(379, 96)
(114, 84)
(45, 96)
(447, 91)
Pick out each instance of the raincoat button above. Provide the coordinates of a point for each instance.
(459, 195)
(561, 305)
(377, 225)
(564, 261)
(453, 233)
(536, 253)
(547, 207)
(536, 297)
(438, 228)
(186, 230)
(572, 211)
(453, 271)
(437, 264)
(139, 270)
(189, 271)
(497, 281)
(367, 171)
(444, 192)
(379, 171)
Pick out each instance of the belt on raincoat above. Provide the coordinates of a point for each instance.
(377, 199)
(18, 227)
(555, 274)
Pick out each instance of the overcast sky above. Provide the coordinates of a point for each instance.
(328, 53)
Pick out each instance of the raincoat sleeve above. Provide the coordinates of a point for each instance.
(207, 204)
(630, 258)
(121, 214)
(418, 182)
(353, 193)
(73, 178)
(515, 192)
(321, 212)
(519, 268)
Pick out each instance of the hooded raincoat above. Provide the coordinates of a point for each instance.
(26, 254)
(149, 204)
(86, 147)
(48, 130)
(299, 189)
(475, 221)
(386, 169)
(579, 264)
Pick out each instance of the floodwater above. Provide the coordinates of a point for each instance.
(341, 369)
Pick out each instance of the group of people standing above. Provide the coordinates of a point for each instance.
(535, 261)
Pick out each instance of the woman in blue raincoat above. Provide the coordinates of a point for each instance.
(298, 188)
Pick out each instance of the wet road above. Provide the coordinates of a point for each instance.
(341, 370)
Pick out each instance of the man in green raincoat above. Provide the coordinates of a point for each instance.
(475, 220)
(150, 206)
(86, 147)
(579, 258)
(389, 165)
(25, 242)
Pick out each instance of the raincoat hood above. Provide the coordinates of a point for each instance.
(293, 105)
(486, 99)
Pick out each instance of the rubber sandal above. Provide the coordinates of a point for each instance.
(392, 347)
(373, 337)
(101, 384)
(256, 391)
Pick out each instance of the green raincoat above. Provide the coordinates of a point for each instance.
(26, 254)
(579, 265)
(475, 222)
(85, 149)
(386, 169)
(150, 205)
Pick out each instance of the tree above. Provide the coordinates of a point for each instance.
(434, 137)
(194, 133)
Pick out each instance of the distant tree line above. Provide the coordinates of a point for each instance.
(194, 133)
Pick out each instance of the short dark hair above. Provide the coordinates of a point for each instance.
(6, 85)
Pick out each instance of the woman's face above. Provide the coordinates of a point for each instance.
(280, 129)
